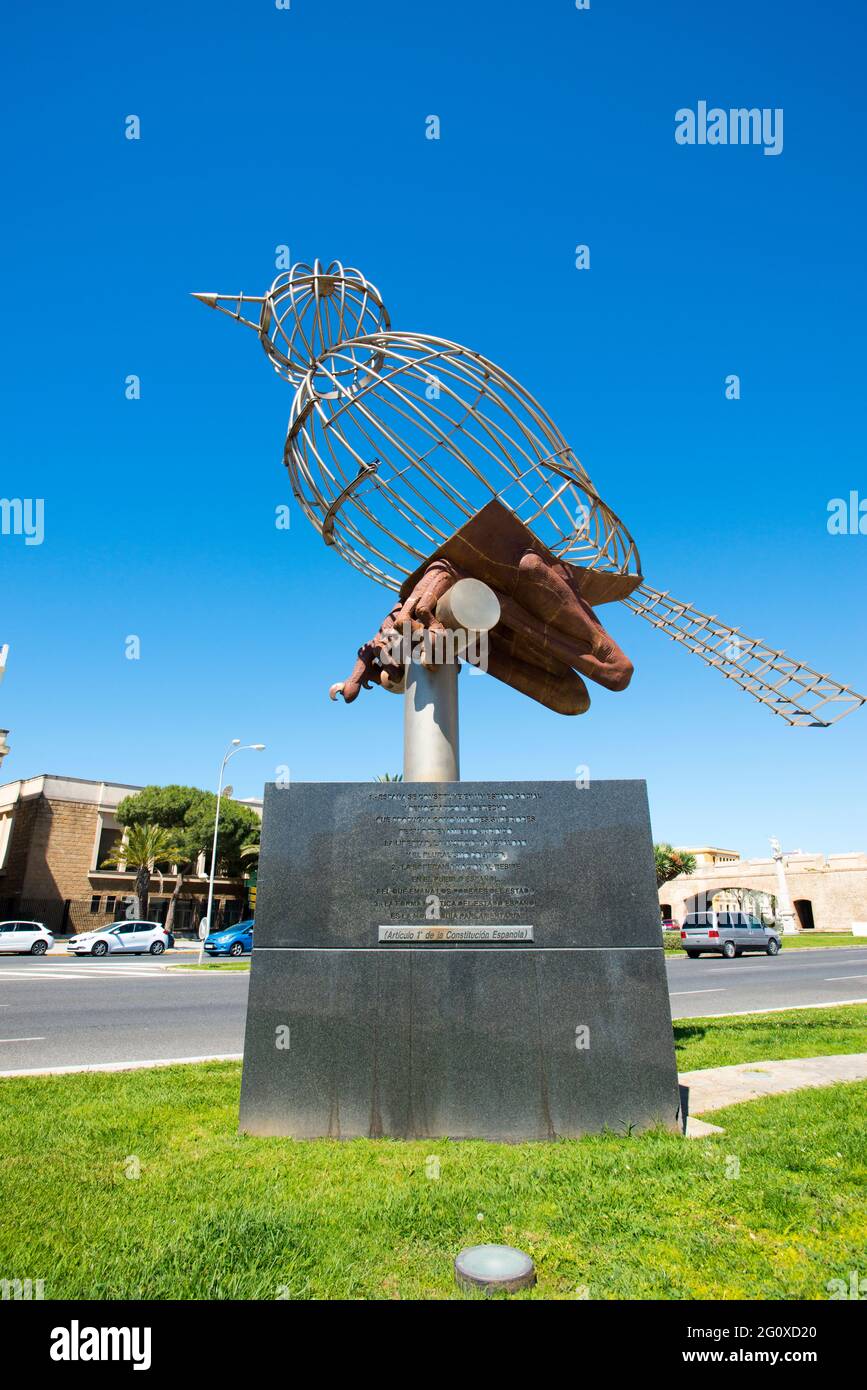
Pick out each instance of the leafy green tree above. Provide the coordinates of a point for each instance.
(143, 847)
(188, 814)
(670, 863)
(173, 808)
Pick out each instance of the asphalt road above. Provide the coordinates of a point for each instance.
(711, 985)
(62, 1011)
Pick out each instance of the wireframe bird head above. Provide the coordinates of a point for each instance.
(306, 312)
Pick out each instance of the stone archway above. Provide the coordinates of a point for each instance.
(733, 898)
(730, 888)
(833, 890)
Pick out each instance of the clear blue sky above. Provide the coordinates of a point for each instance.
(307, 127)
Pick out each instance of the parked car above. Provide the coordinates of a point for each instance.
(669, 924)
(231, 941)
(728, 934)
(129, 938)
(25, 938)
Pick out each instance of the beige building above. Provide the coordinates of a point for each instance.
(707, 854)
(828, 892)
(55, 832)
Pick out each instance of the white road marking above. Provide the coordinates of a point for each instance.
(828, 978)
(15, 1040)
(31, 977)
(674, 994)
(124, 973)
(21, 975)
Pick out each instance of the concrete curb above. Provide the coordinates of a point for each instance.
(781, 1009)
(123, 1066)
(677, 953)
(700, 1129)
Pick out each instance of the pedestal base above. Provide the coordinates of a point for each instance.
(421, 1043)
(562, 1034)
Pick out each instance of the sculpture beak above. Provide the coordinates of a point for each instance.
(232, 304)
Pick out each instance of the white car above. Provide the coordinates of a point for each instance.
(125, 938)
(25, 938)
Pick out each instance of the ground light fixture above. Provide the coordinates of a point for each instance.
(234, 747)
(494, 1267)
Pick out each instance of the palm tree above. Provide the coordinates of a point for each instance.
(141, 848)
(670, 863)
(390, 777)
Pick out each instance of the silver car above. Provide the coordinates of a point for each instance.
(728, 934)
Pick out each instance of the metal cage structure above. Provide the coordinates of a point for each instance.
(397, 439)
(389, 459)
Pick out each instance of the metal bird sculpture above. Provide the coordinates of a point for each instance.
(422, 462)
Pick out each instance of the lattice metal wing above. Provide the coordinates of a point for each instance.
(788, 688)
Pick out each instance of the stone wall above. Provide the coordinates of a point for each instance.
(62, 837)
(18, 853)
(836, 886)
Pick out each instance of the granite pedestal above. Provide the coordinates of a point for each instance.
(468, 959)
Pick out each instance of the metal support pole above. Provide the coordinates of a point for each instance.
(431, 748)
(430, 724)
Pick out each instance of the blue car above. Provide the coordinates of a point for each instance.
(231, 941)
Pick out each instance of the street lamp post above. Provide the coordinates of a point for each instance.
(234, 747)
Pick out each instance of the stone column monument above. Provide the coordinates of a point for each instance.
(785, 911)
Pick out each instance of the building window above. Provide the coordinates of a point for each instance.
(5, 835)
(110, 903)
(94, 902)
(108, 841)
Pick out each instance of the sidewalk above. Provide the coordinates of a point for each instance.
(187, 948)
(715, 1087)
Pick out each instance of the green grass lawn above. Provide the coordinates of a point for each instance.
(214, 965)
(672, 943)
(720, 1042)
(213, 1214)
(822, 939)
